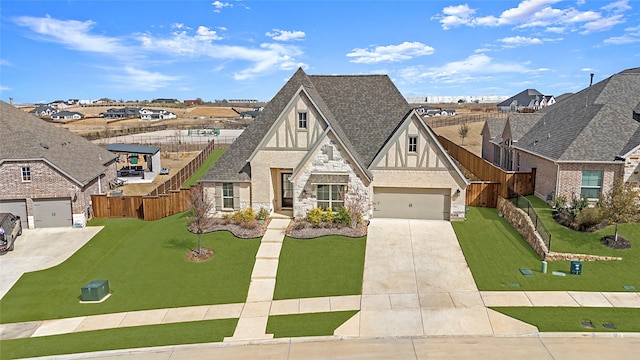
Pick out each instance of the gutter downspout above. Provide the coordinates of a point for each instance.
(557, 181)
(100, 184)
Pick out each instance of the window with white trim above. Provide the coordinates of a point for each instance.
(591, 184)
(413, 144)
(330, 196)
(302, 120)
(227, 195)
(26, 174)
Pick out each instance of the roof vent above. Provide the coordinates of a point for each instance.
(549, 136)
(44, 145)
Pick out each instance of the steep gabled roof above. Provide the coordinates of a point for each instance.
(595, 124)
(520, 124)
(495, 127)
(522, 98)
(361, 110)
(26, 137)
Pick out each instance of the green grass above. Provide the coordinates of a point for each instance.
(495, 252)
(568, 319)
(121, 338)
(564, 239)
(213, 157)
(146, 268)
(325, 266)
(316, 324)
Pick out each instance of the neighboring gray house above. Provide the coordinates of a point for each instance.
(43, 111)
(47, 173)
(66, 115)
(121, 113)
(528, 100)
(579, 145)
(323, 141)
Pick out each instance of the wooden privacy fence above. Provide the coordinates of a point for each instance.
(165, 200)
(495, 181)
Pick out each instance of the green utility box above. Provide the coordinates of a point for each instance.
(95, 290)
(576, 268)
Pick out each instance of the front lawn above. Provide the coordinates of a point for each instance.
(569, 319)
(495, 252)
(315, 324)
(324, 266)
(121, 338)
(145, 265)
(568, 240)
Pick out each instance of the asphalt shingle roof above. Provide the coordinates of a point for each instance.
(363, 110)
(26, 137)
(522, 98)
(595, 124)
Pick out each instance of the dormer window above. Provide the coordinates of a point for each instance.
(26, 174)
(413, 144)
(302, 120)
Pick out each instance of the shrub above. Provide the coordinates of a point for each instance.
(244, 216)
(588, 218)
(328, 216)
(343, 217)
(314, 216)
(262, 214)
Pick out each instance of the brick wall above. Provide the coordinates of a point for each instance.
(571, 177)
(47, 183)
(546, 173)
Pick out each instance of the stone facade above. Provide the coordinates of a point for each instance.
(329, 159)
(48, 183)
(632, 169)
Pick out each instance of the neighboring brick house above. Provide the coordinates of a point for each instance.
(326, 140)
(580, 145)
(47, 173)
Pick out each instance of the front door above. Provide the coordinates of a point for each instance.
(287, 190)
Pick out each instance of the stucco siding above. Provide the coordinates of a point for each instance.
(262, 181)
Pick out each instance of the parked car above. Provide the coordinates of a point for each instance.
(10, 229)
(164, 171)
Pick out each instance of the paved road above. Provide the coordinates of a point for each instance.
(450, 348)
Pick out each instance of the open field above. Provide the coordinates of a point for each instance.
(473, 141)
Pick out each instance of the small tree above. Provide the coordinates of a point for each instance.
(463, 131)
(620, 204)
(356, 204)
(199, 208)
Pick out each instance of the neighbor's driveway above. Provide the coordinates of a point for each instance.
(38, 249)
(416, 282)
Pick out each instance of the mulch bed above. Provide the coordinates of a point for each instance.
(610, 241)
(299, 229)
(204, 255)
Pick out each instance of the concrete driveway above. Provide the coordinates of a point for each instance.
(417, 282)
(38, 249)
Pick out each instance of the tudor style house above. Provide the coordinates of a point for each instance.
(324, 141)
(528, 100)
(580, 145)
(48, 174)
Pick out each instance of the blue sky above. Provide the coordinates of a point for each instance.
(135, 50)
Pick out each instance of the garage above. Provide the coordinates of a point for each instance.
(16, 207)
(52, 213)
(412, 203)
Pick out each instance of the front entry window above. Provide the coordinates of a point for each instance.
(331, 196)
(287, 190)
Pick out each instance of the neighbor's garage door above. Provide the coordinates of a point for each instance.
(52, 212)
(409, 203)
(16, 207)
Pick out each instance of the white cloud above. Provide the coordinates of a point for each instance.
(4, 88)
(390, 53)
(284, 35)
(631, 35)
(538, 13)
(4, 62)
(72, 34)
(206, 34)
(586, 69)
(219, 5)
(517, 41)
(141, 80)
(473, 68)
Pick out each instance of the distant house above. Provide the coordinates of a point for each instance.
(67, 115)
(121, 113)
(43, 111)
(580, 145)
(193, 102)
(165, 101)
(152, 114)
(450, 112)
(528, 100)
(424, 110)
(251, 114)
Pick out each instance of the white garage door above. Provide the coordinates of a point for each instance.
(16, 207)
(412, 203)
(52, 213)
